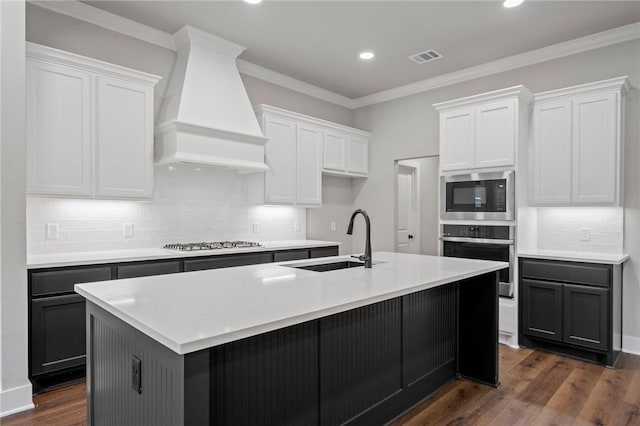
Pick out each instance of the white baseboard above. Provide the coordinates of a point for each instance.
(631, 345)
(15, 400)
(508, 339)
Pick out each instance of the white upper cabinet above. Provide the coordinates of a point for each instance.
(59, 135)
(496, 134)
(309, 162)
(335, 151)
(124, 124)
(280, 154)
(577, 145)
(300, 149)
(457, 129)
(358, 155)
(483, 131)
(89, 127)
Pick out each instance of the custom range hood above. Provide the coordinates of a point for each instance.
(206, 117)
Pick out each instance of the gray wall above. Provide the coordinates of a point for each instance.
(408, 127)
(429, 205)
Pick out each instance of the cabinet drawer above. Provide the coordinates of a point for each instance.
(227, 261)
(55, 282)
(323, 252)
(569, 272)
(148, 269)
(281, 256)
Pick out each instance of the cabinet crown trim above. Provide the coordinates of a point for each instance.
(520, 92)
(621, 84)
(268, 109)
(61, 57)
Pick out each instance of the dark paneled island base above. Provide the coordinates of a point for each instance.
(364, 366)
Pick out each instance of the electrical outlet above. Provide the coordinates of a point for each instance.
(52, 231)
(585, 234)
(255, 227)
(127, 230)
(136, 374)
(296, 226)
(333, 226)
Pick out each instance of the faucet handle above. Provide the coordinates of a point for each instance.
(361, 258)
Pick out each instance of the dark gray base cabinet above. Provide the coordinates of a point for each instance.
(572, 308)
(365, 366)
(57, 314)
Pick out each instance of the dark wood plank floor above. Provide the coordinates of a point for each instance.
(537, 388)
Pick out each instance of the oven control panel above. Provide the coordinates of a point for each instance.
(477, 231)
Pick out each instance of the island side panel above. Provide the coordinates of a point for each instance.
(270, 378)
(478, 328)
(111, 397)
(360, 361)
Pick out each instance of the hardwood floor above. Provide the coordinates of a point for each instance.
(537, 388)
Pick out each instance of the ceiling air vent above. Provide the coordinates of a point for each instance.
(426, 56)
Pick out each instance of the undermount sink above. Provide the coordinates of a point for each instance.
(329, 266)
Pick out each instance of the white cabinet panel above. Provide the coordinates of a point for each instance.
(124, 139)
(309, 165)
(551, 174)
(335, 151)
(594, 149)
(280, 153)
(59, 130)
(89, 126)
(577, 144)
(358, 155)
(495, 131)
(457, 144)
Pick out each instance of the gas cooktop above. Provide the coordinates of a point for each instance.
(216, 245)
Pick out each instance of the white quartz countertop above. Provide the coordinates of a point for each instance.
(574, 256)
(114, 256)
(191, 311)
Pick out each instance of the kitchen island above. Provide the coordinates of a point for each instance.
(276, 344)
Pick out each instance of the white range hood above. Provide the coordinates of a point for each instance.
(206, 117)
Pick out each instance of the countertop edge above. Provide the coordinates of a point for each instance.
(172, 254)
(208, 342)
(607, 259)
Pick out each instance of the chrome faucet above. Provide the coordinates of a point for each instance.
(367, 250)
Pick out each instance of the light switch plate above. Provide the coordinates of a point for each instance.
(255, 227)
(127, 230)
(296, 226)
(333, 226)
(52, 231)
(585, 234)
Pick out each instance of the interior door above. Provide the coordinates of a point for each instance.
(408, 215)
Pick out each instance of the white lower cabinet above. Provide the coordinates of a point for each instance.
(89, 127)
(577, 145)
(300, 149)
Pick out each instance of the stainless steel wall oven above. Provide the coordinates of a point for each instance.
(482, 242)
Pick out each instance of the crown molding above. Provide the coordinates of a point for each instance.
(262, 73)
(151, 35)
(110, 21)
(555, 51)
(116, 23)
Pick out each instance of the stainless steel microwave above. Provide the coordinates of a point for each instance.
(479, 196)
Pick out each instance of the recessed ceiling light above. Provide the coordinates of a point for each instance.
(253, 1)
(366, 55)
(510, 3)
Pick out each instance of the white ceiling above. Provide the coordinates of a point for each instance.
(318, 41)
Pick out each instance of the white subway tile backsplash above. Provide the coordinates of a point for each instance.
(186, 206)
(559, 228)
